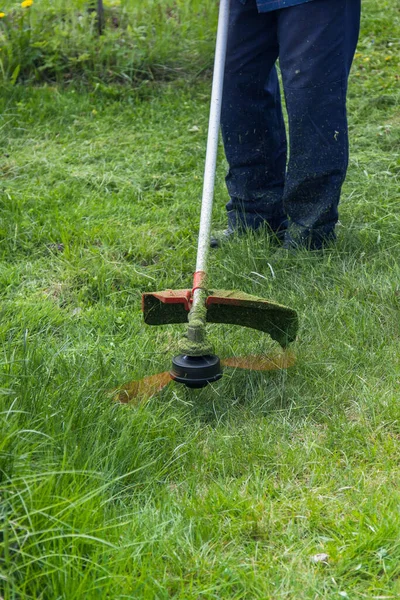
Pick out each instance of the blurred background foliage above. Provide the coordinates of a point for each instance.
(59, 41)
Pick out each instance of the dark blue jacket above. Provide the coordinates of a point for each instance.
(267, 5)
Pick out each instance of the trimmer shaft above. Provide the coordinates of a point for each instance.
(196, 371)
(197, 366)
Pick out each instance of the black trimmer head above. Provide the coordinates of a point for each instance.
(196, 371)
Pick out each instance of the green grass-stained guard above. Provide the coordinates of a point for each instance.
(223, 306)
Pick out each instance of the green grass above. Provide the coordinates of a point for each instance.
(224, 493)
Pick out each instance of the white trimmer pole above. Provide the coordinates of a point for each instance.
(212, 144)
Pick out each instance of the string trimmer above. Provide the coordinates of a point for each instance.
(197, 365)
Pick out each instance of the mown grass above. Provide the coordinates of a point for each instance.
(231, 491)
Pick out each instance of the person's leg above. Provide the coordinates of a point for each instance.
(317, 43)
(252, 125)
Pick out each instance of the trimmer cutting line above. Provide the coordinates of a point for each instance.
(197, 365)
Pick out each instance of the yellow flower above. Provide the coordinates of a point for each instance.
(26, 3)
(2, 15)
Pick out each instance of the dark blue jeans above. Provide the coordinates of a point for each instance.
(315, 43)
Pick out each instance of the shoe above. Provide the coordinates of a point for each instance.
(219, 238)
(298, 238)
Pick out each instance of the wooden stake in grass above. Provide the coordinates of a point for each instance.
(97, 6)
(100, 16)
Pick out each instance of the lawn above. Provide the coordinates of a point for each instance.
(237, 490)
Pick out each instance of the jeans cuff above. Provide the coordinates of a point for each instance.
(241, 221)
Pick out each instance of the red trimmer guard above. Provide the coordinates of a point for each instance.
(230, 307)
